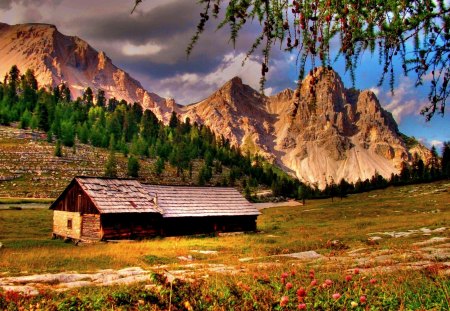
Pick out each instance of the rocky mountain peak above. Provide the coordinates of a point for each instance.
(57, 58)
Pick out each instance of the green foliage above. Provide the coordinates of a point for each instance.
(133, 167)
(159, 166)
(111, 162)
(58, 149)
(67, 133)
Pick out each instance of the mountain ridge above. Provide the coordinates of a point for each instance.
(57, 58)
(341, 133)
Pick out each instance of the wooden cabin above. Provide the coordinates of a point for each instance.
(93, 208)
(100, 208)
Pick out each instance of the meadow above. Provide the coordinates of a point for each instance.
(401, 269)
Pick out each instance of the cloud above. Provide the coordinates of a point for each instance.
(192, 87)
(145, 49)
(405, 101)
(7, 4)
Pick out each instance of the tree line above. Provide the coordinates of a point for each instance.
(138, 134)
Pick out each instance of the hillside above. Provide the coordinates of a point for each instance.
(28, 167)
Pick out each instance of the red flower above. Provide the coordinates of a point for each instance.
(288, 285)
(284, 275)
(348, 278)
(336, 296)
(301, 306)
(356, 271)
(301, 292)
(363, 299)
(313, 282)
(373, 281)
(284, 301)
(328, 282)
(293, 272)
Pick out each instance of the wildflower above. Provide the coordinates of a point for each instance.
(284, 301)
(301, 292)
(293, 272)
(301, 306)
(348, 278)
(353, 304)
(313, 282)
(284, 275)
(188, 306)
(356, 271)
(328, 282)
(289, 285)
(363, 299)
(373, 281)
(336, 296)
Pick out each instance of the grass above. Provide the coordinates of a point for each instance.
(27, 245)
(28, 249)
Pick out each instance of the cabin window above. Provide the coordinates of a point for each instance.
(69, 223)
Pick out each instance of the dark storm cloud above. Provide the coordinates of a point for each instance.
(160, 23)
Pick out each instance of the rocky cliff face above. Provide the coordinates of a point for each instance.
(56, 58)
(344, 133)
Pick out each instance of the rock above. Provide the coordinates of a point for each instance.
(308, 255)
(433, 240)
(127, 280)
(205, 252)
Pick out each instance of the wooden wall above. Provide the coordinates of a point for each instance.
(130, 225)
(75, 200)
(199, 225)
(60, 228)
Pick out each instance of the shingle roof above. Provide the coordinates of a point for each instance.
(182, 201)
(118, 195)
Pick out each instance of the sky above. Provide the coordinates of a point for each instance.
(150, 44)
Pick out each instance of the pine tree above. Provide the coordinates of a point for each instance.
(173, 123)
(446, 160)
(133, 167)
(111, 162)
(58, 149)
(159, 166)
(101, 99)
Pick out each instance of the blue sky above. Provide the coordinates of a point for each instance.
(150, 45)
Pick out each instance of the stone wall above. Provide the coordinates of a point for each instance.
(60, 224)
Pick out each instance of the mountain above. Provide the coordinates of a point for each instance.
(56, 58)
(344, 133)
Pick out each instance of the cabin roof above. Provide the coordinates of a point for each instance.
(183, 201)
(118, 195)
(130, 196)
